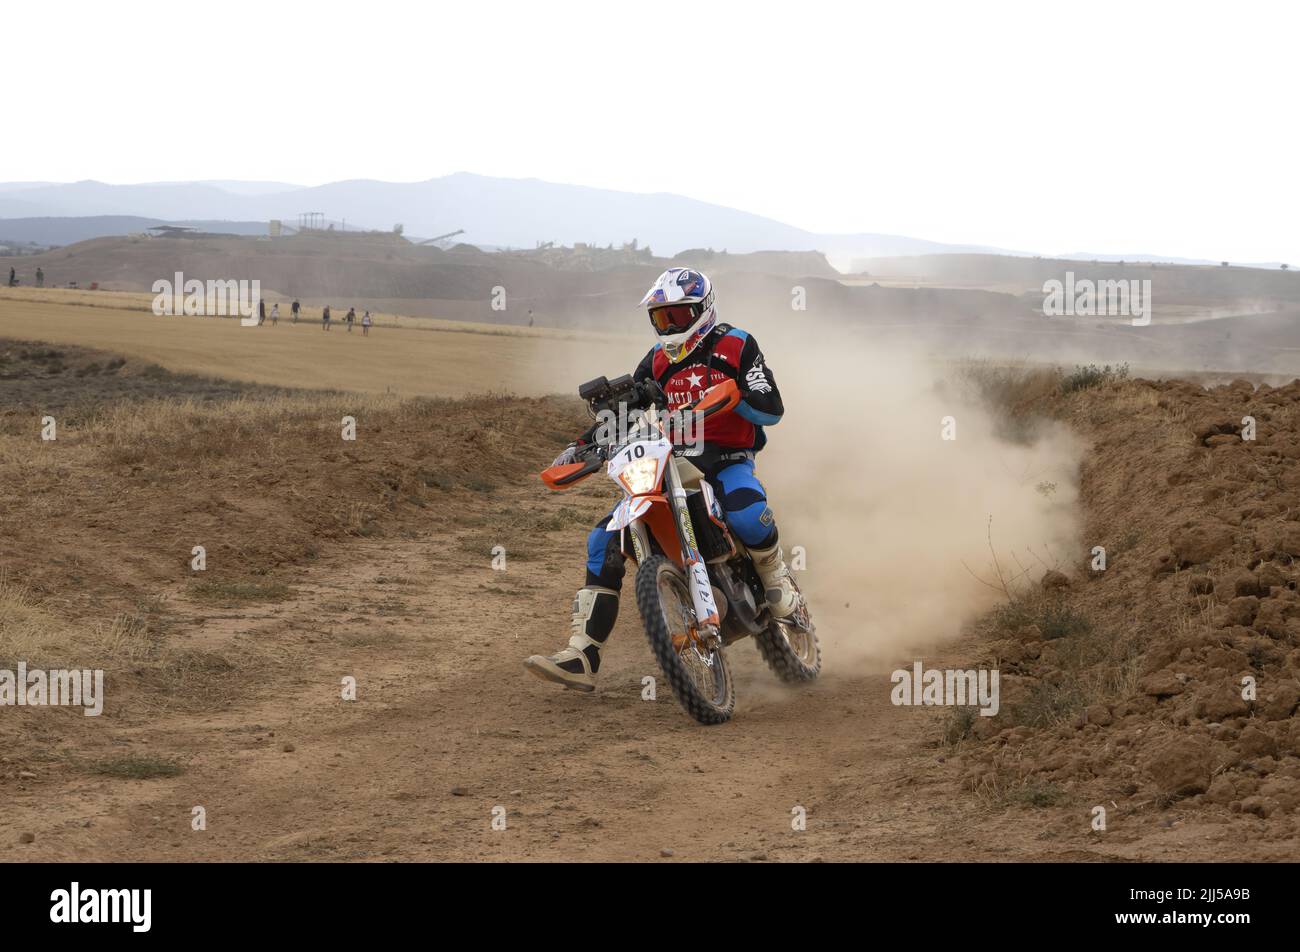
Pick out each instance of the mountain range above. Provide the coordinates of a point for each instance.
(493, 213)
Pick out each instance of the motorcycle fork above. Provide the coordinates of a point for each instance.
(697, 573)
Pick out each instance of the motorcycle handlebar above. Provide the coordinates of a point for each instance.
(719, 399)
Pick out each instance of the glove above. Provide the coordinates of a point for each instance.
(569, 455)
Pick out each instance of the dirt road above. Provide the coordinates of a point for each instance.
(447, 727)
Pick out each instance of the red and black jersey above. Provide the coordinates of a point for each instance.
(727, 352)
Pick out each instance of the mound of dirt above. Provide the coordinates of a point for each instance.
(146, 464)
(1166, 667)
(54, 379)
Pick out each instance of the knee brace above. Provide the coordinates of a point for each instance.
(744, 501)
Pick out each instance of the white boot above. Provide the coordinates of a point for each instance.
(782, 596)
(594, 613)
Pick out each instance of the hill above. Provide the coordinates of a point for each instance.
(493, 211)
(57, 231)
(1224, 319)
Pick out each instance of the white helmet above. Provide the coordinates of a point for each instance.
(682, 311)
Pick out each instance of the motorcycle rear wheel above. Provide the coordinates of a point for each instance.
(700, 678)
(791, 650)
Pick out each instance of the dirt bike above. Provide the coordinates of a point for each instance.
(696, 586)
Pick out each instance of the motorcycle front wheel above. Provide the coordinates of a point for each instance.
(698, 674)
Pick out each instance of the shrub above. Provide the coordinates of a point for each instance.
(1084, 378)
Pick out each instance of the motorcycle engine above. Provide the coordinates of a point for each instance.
(721, 601)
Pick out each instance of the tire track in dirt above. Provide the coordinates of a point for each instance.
(448, 725)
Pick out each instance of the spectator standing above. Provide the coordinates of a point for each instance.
(275, 313)
(261, 312)
(351, 316)
(365, 323)
(294, 308)
(325, 318)
(40, 278)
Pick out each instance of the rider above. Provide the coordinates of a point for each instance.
(694, 352)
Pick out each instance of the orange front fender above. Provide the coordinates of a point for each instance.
(659, 520)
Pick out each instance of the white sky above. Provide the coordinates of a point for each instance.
(1123, 127)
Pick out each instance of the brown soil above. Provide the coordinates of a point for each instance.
(373, 560)
(1124, 685)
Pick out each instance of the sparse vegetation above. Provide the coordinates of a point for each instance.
(958, 724)
(31, 631)
(1006, 784)
(1083, 378)
(139, 767)
(1014, 391)
(1036, 795)
(1051, 614)
(1093, 664)
(216, 590)
(1059, 620)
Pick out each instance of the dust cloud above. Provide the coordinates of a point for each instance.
(893, 520)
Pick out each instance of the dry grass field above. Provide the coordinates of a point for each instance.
(402, 355)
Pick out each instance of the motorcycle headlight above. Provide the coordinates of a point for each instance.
(638, 477)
